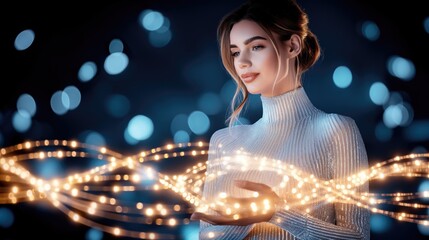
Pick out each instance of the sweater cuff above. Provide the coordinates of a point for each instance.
(290, 220)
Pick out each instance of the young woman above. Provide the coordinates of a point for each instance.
(266, 46)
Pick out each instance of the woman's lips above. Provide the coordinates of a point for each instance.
(248, 77)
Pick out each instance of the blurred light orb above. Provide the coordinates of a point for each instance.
(24, 40)
(151, 20)
(370, 30)
(198, 122)
(87, 71)
(401, 68)
(116, 63)
(26, 103)
(342, 77)
(140, 127)
(6, 217)
(379, 93)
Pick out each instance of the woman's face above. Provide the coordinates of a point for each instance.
(256, 61)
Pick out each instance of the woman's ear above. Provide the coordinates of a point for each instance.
(294, 45)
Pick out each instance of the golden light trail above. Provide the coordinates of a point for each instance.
(92, 195)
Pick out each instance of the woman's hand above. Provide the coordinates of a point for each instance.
(244, 211)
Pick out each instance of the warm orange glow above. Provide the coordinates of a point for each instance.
(93, 193)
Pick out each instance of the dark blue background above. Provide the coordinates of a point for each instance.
(163, 82)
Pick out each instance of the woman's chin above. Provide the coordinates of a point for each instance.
(253, 91)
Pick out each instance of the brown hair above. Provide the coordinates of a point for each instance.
(283, 17)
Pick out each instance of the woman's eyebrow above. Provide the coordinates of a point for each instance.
(247, 41)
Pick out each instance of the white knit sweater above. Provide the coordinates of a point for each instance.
(292, 132)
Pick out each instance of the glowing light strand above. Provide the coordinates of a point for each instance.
(94, 193)
(72, 194)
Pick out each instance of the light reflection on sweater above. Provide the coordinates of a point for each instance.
(291, 129)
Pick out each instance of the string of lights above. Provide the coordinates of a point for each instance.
(93, 197)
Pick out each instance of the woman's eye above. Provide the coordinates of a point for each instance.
(255, 48)
(235, 54)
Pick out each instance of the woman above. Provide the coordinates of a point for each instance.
(266, 47)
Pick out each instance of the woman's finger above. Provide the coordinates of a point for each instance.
(253, 186)
(196, 216)
(213, 219)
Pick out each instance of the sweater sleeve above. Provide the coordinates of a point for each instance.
(210, 189)
(348, 156)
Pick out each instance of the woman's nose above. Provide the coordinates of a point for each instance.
(244, 61)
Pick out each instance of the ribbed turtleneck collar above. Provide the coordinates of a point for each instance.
(290, 106)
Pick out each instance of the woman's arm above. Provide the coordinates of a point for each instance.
(349, 156)
(210, 189)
